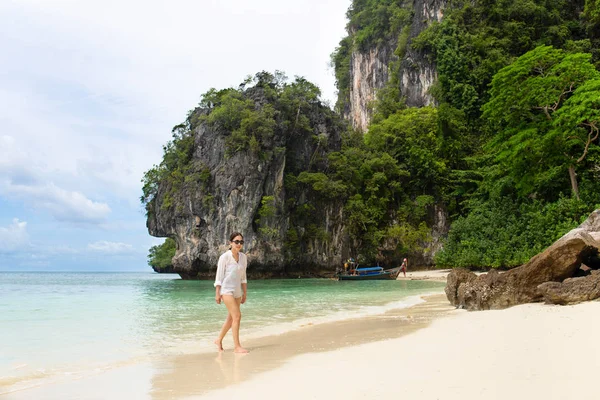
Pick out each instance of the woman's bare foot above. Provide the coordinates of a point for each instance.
(240, 350)
(219, 345)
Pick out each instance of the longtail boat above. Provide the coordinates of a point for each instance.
(369, 273)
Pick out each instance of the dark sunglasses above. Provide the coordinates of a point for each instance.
(237, 241)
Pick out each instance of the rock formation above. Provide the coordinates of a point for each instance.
(572, 290)
(369, 72)
(164, 270)
(370, 69)
(550, 276)
(201, 213)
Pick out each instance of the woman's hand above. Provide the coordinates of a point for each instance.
(243, 298)
(218, 298)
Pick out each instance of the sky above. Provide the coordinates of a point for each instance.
(89, 92)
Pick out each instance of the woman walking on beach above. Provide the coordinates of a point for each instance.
(231, 288)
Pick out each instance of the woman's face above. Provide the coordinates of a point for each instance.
(237, 242)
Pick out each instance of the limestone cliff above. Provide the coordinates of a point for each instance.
(245, 191)
(371, 69)
(395, 60)
(288, 232)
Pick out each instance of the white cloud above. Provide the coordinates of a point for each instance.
(94, 87)
(14, 237)
(66, 206)
(102, 82)
(110, 247)
(28, 182)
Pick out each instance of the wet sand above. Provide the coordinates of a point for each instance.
(195, 374)
(192, 375)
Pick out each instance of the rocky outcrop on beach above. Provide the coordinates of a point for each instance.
(572, 290)
(552, 276)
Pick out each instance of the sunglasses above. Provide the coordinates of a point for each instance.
(237, 241)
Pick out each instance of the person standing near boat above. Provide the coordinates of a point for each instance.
(231, 287)
(404, 266)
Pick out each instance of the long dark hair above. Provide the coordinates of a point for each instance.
(233, 236)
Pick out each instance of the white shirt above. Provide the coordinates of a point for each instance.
(231, 274)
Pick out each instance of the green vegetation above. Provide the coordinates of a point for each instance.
(543, 112)
(376, 21)
(267, 211)
(253, 117)
(510, 151)
(373, 23)
(505, 233)
(544, 124)
(262, 106)
(160, 256)
(176, 166)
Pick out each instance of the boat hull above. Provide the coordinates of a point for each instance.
(368, 277)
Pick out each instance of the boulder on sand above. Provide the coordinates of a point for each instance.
(536, 280)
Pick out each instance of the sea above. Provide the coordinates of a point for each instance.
(68, 325)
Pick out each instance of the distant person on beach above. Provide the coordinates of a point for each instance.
(404, 266)
(231, 288)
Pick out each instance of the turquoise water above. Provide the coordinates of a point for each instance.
(57, 325)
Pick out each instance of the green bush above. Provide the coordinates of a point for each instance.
(160, 256)
(503, 233)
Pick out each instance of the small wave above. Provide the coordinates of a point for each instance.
(202, 345)
(361, 312)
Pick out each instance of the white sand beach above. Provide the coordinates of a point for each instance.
(532, 351)
(433, 274)
(439, 275)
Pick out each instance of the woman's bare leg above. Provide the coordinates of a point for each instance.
(233, 306)
(224, 330)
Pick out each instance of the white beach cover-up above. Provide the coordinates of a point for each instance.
(231, 274)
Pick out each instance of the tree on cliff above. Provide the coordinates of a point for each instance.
(159, 256)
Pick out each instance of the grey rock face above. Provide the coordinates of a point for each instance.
(370, 71)
(204, 213)
(417, 73)
(545, 276)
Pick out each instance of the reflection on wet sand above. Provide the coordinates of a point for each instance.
(188, 375)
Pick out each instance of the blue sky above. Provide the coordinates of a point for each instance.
(89, 92)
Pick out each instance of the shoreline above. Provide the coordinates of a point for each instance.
(269, 353)
(427, 351)
(200, 373)
(421, 274)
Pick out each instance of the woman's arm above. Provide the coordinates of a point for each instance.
(219, 279)
(244, 280)
(245, 292)
(218, 296)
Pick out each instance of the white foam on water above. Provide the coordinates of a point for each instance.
(203, 345)
(360, 312)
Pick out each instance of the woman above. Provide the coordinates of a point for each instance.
(231, 288)
(404, 266)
